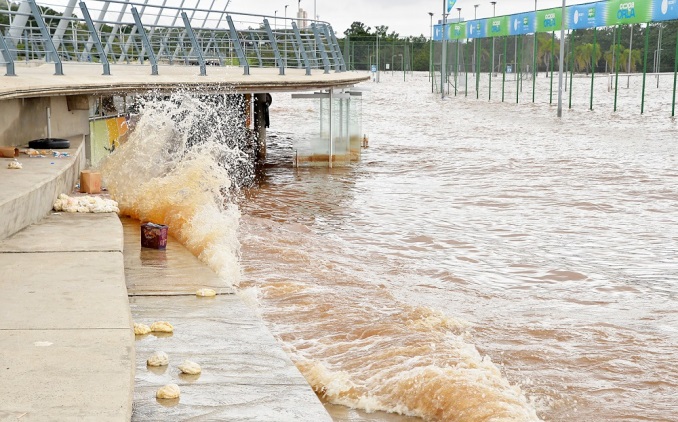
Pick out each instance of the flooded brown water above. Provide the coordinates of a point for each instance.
(482, 262)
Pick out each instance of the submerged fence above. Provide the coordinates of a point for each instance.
(512, 51)
(123, 32)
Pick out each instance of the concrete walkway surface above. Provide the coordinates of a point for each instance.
(66, 345)
(246, 376)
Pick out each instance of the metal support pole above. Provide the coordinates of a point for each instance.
(593, 65)
(7, 56)
(321, 45)
(647, 48)
(503, 73)
(144, 40)
(37, 15)
(335, 42)
(553, 47)
(94, 36)
(466, 72)
(302, 50)
(561, 61)
(478, 59)
(238, 47)
(274, 46)
(491, 70)
(616, 78)
(571, 68)
(518, 72)
(255, 44)
(330, 46)
(194, 43)
(675, 79)
(534, 67)
(443, 53)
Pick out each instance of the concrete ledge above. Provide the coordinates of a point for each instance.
(27, 195)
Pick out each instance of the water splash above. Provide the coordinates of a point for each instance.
(182, 167)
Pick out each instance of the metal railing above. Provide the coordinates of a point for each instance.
(126, 32)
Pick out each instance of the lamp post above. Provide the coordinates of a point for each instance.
(475, 16)
(285, 59)
(443, 55)
(494, 15)
(430, 54)
(275, 20)
(456, 69)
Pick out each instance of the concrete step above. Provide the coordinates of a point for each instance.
(66, 343)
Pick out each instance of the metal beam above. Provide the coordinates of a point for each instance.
(336, 43)
(9, 62)
(146, 43)
(274, 46)
(256, 48)
(321, 45)
(330, 43)
(236, 43)
(302, 50)
(46, 37)
(95, 38)
(194, 42)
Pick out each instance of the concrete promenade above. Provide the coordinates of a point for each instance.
(71, 285)
(87, 79)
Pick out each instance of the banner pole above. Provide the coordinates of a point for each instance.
(571, 66)
(456, 67)
(503, 73)
(553, 46)
(518, 72)
(466, 74)
(491, 70)
(647, 48)
(534, 66)
(616, 66)
(593, 66)
(478, 62)
(675, 79)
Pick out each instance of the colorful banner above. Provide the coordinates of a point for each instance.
(624, 12)
(664, 10)
(450, 5)
(458, 31)
(549, 20)
(585, 16)
(476, 28)
(582, 16)
(522, 23)
(497, 27)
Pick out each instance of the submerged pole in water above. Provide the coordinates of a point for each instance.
(553, 47)
(593, 65)
(518, 72)
(647, 47)
(571, 67)
(478, 61)
(561, 63)
(503, 72)
(534, 66)
(443, 54)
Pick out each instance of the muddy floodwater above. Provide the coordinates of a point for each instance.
(483, 261)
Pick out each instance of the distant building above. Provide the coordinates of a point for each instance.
(302, 19)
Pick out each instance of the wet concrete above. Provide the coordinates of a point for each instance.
(245, 373)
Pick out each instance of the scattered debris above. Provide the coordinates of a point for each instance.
(190, 368)
(14, 165)
(205, 293)
(162, 327)
(85, 204)
(141, 329)
(170, 391)
(158, 359)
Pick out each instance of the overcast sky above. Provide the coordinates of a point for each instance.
(406, 17)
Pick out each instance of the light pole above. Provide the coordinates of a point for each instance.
(430, 54)
(456, 69)
(443, 55)
(275, 20)
(562, 59)
(285, 60)
(494, 15)
(475, 16)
